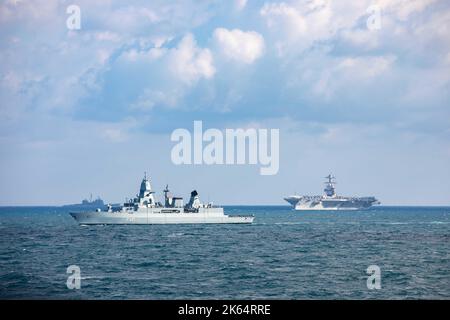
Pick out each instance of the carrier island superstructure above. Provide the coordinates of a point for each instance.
(329, 200)
(144, 209)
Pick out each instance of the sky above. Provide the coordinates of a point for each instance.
(90, 110)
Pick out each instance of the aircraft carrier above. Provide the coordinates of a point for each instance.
(329, 200)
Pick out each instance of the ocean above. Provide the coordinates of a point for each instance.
(283, 255)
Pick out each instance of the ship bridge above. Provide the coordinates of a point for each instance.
(146, 196)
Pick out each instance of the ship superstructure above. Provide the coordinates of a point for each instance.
(145, 209)
(330, 200)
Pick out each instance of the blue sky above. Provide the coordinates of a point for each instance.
(88, 111)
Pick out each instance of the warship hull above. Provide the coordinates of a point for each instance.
(208, 217)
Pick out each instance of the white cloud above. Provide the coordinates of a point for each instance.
(361, 38)
(295, 27)
(189, 62)
(366, 67)
(11, 81)
(240, 4)
(273, 11)
(239, 45)
(131, 18)
(403, 9)
(116, 132)
(107, 36)
(151, 98)
(134, 55)
(350, 72)
(28, 12)
(168, 72)
(114, 135)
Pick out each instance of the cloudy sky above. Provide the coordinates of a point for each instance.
(88, 111)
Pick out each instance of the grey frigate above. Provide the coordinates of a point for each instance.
(330, 200)
(144, 209)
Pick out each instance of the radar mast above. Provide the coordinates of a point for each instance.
(329, 186)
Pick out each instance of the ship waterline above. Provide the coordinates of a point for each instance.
(157, 217)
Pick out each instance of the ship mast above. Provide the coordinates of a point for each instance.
(167, 201)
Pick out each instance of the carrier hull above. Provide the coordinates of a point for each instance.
(334, 206)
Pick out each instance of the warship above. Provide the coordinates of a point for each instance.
(86, 204)
(144, 209)
(329, 200)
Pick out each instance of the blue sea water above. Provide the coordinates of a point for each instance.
(283, 255)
